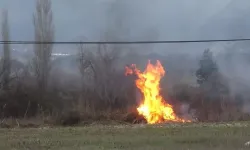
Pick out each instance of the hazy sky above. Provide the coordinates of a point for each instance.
(144, 19)
(172, 19)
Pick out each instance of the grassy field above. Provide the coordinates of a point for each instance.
(231, 136)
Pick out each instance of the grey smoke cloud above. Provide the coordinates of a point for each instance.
(173, 19)
(146, 20)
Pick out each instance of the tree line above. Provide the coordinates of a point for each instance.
(104, 92)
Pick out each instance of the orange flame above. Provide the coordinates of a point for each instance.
(153, 107)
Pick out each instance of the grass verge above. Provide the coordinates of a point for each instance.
(199, 136)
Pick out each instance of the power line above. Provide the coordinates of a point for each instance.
(121, 42)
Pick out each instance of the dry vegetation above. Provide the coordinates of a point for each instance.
(100, 104)
(35, 97)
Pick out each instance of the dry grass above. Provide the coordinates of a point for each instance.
(228, 136)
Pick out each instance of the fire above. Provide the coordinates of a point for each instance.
(153, 107)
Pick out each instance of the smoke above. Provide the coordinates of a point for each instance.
(148, 20)
(173, 19)
(186, 113)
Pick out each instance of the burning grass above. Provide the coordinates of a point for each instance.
(153, 107)
(202, 136)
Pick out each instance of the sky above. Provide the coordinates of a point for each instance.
(141, 20)
(172, 19)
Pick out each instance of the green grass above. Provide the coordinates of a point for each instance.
(137, 137)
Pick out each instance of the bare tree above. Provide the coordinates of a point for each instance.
(84, 62)
(108, 81)
(100, 76)
(44, 32)
(6, 48)
(98, 64)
